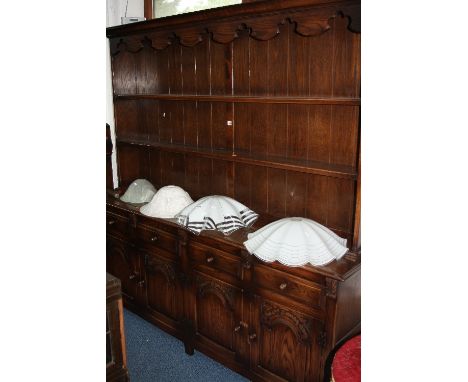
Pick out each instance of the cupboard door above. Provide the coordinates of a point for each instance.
(124, 263)
(285, 344)
(163, 291)
(217, 309)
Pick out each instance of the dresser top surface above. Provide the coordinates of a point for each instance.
(339, 270)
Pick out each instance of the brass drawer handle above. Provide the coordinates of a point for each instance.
(141, 283)
(252, 337)
(283, 286)
(237, 328)
(132, 276)
(154, 238)
(210, 259)
(111, 222)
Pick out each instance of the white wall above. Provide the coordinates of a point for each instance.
(116, 10)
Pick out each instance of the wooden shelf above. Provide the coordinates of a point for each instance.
(304, 166)
(245, 99)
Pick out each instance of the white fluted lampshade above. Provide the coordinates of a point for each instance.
(296, 242)
(167, 202)
(216, 213)
(140, 191)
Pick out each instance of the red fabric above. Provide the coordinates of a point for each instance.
(346, 366)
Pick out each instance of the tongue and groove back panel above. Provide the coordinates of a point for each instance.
(263, 109)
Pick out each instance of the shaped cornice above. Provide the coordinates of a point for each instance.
(308, 22)
(311, 25)
(353, 13)
(190, 36)
(130, 44)
(160, 40)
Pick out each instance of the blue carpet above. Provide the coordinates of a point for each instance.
(155, 356)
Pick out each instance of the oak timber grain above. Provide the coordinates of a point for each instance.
(260, 102)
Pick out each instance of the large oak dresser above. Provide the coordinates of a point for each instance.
(259, 102)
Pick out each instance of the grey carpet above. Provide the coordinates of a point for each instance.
(155, 356)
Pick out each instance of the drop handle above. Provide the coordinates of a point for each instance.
(154, 238)
(252, 337)
(242, 324)
(141, 283)
(209, 259)
(283, 286)
(132, 276)
(111, 222)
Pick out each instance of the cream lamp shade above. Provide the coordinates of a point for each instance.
(140, 191)
(167, 202)
(296, 241)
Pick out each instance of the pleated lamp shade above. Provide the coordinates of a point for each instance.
(216, 213)
(295, 242)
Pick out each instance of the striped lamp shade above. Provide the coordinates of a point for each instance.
(216, 212)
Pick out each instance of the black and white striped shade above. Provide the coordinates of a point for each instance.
(216, 212)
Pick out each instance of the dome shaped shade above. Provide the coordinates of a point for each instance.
(216, 213)
(140, 191)
(167, 202)
(296, 242)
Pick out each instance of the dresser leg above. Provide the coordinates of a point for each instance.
(188, 336)
(188, 348)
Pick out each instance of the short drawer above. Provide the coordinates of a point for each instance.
(287, 285)
(116, 224)
(156, 238)
(208, 258)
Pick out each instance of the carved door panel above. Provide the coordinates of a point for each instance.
(286, 345)
(163, 291)
(124, 263)
(217, 309)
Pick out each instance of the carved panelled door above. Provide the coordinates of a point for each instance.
(123, 262)
(285, 344)
(163, 291)
(218, 307)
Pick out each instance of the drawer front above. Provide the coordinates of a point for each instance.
(154, 238)
(287, 285)
(117, 225)
(207, 258)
